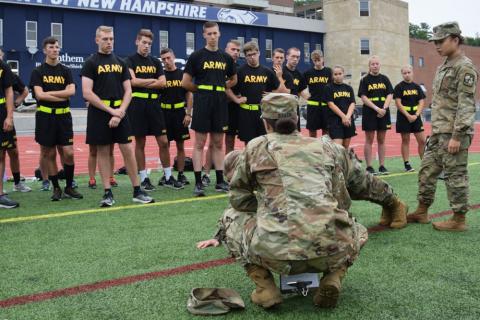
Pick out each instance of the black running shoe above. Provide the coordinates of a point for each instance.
(162, 181)
(206, 180)
(57, 194)
(7, 203)
(147, 185)
(408, 167)
(174, 184)
(383, 171)
(70, 192)
(199, 191)
(222, 187)
(371, 170)
(182, 179)
(142, 197)
(107, 200)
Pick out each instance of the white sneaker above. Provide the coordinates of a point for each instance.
(21, 187)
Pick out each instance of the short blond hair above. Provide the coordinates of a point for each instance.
(106, 29)
(316, 54)
(339, 67)
(373, 58)
(407, 66)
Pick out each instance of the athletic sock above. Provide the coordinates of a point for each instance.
(136, 190)
(167, 172)
(143, 175)
(69, 169)
(198, 177)
(54, 180)
(16, 177)
(109, 191)
(219, 174)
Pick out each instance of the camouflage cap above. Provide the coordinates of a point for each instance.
(444, 30)
(279, 106)
(213, 301)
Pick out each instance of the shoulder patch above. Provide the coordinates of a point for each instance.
(469, 79)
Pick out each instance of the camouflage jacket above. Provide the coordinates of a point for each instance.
(453, 102)
(301, 189)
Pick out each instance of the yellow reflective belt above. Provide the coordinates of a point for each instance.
(251, 107)
(408, 109)
(377, 99)
(173, 106)
(144, 95)
(116, 103)
(210, 87)
(316, 103)
(54, 110)
(2, 100)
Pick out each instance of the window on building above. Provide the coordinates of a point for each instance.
(318, 46)
(421, 62)
(306, 52)
(163, 36)
(242, 42)
(364, 6)
(56, 32)
(364, 46)
(190, 37)
(31, 34)
(411, 60)
(13, 64)
(1, 32)
(268, 49)
(255, 40)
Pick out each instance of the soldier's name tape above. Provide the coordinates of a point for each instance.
(155, 204)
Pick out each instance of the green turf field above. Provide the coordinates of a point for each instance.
(414, 273)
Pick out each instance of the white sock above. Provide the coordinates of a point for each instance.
(167, 172)
(143, 175)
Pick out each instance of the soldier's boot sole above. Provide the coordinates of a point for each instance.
(454, 224)
(328, 292)
(266, 293)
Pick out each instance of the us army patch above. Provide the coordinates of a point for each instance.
(469, 79)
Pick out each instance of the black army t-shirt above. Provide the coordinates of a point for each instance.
(409, 93)
(298, 83)
(378, 86)
(6, 78)
(145, 68)
(108, 73)
(316, 81)
(173, 91)
(210, 67)
(341, 95)
(254, 81)
(51, 78)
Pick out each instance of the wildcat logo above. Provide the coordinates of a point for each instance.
(236, 16)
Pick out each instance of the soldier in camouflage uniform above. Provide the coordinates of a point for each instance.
(453, 117)
(301, 190)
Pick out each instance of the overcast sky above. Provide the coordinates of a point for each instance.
(434, 12)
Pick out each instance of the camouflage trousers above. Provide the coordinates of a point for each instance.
(238, 244)
(454, 166)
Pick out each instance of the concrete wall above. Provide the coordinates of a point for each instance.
(386, 28)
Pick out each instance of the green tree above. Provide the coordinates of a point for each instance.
(421, 31)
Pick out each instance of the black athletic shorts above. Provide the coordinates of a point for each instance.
(8, 139)
(232, 119)
(210, 112)
(53, 129)
(250, 125)
(370, 121)
(175, 128)
(317, 117)
(403, 126)
(336, 129)
(146, 117)
(99, 133)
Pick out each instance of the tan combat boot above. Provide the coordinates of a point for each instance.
(455, 223)
(397, 212)
(420, 215)
(328, 292)
(385, 219)
(266, 294)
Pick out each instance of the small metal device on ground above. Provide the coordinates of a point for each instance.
(299, 283)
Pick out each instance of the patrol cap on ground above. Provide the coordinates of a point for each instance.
(213, 301)
(444, 30)
(279, 106)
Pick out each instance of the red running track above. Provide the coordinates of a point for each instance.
(30, 150)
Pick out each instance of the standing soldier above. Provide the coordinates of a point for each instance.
(145, 113)
(53, 85)
(410, 99)
(176, 103)
(106, 86)
(341, 101)
(376, 93)
(209, 71)
(298, 85)
(21, 90)
(6, 133)
(317, 78)
(453, 118)
(254, 80)
(278, 59)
